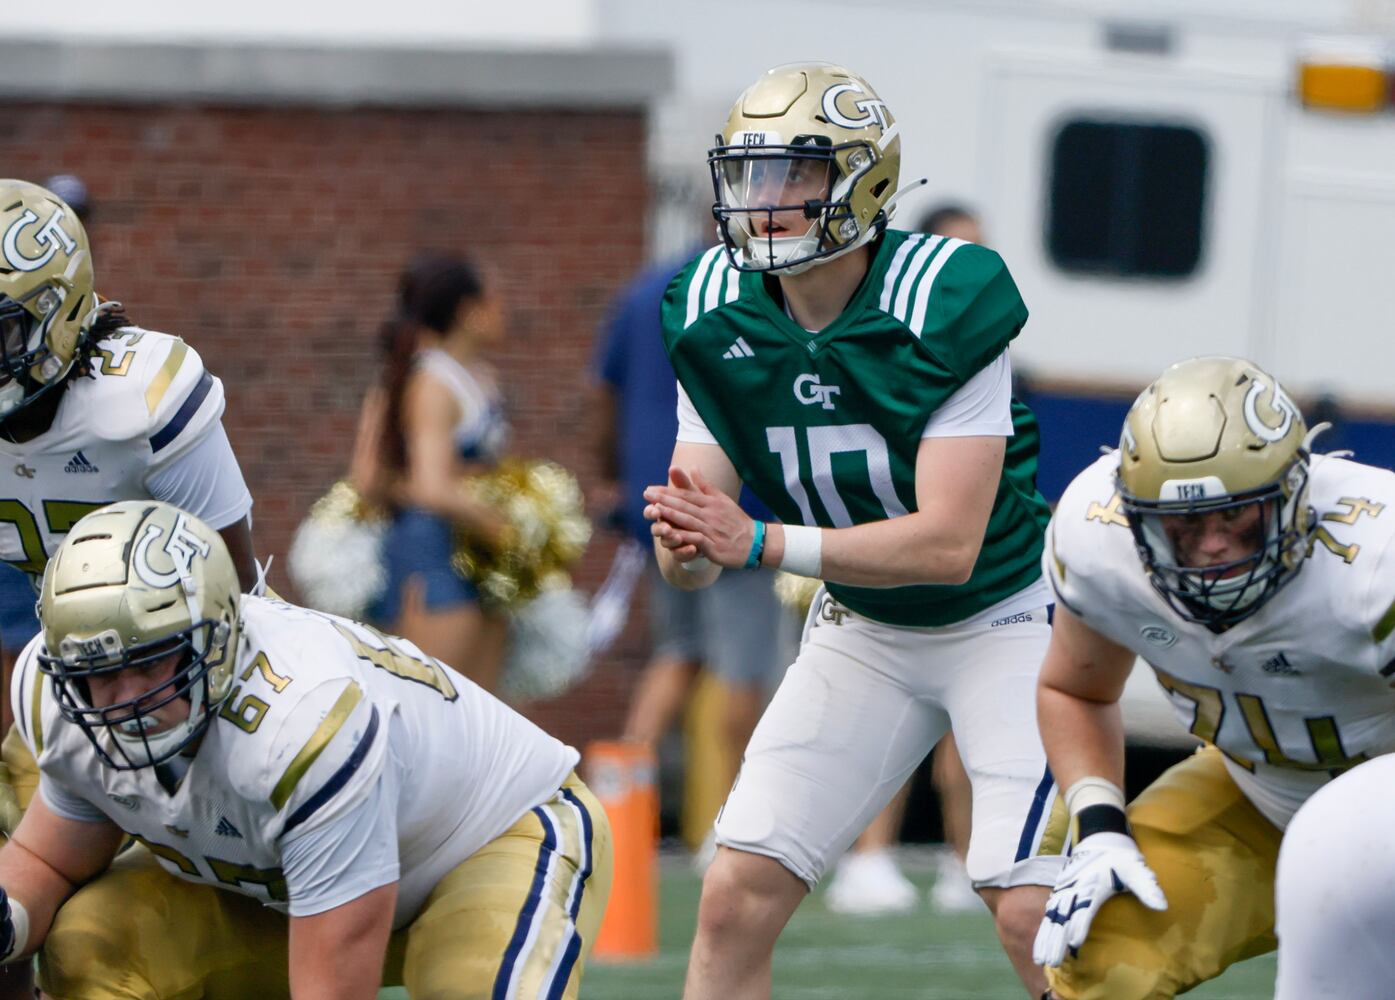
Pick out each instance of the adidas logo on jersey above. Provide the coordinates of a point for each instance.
(226, 829)
(740, 349)
(79, 463)
(1279, 664)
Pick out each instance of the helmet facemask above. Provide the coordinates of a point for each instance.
(126, 734)
(1223, 594)
(788, 207)
(24, 346)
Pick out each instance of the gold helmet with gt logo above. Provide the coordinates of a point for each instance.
(1220, 438)
(804, 169)
(47, 302)
(141, 586)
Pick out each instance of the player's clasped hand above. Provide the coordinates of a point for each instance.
(1101, 866)
(691, 517)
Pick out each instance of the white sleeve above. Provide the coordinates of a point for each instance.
(205, 480)
(337, 862)
(691, 427)
(982, 407)
(67, 805)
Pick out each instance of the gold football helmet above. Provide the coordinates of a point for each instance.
(133, 585)
(1219, 438)
(47, 302)
(804, 169)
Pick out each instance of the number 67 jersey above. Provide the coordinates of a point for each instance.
(1296, 693)
(325, 715)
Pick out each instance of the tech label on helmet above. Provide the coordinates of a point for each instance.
(805, 169)
(1216, 438)
(140, 585)
(47, 302)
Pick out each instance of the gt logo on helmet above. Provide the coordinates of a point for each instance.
(182, 546)
(51, 234)
(873, 110)
(1278, 402)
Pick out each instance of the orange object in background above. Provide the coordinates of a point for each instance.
(622, 777)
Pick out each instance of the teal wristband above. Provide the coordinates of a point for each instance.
(757, 545)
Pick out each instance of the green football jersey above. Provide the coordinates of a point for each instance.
(824, 427)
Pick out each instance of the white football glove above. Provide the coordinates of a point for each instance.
(1102, 865)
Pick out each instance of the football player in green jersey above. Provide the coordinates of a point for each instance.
(856, 379)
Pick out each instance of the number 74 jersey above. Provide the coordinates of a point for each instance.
(825, 427)
(1293, 695)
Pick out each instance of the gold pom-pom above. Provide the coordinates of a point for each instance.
(796, 592)
(547, 532)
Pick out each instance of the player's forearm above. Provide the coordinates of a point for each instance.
(906, 550)
(35, 885)
(1082, 738)
(338, 954)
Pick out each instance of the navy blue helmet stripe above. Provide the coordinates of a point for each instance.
(1029, 829)
(530, 907)
(183, 415)
(338, 779)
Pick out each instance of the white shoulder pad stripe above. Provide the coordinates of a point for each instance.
(913, 271)
(733, 283)
(695, 286)
(927, 282)
(893, 272)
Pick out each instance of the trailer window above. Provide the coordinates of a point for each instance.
(1127, 198)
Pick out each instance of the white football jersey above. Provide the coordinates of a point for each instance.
(1297, 692)
(147, 400)
(321, 709)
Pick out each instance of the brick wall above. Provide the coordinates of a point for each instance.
(269, 238)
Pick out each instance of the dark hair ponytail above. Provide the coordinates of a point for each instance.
(429, 293)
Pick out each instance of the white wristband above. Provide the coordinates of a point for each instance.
(19, 918)
(1093, 791)
(803, 555)
(696, 563)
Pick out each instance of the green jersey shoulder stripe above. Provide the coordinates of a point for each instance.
(908, 284)
(714, 282)
(896, 268)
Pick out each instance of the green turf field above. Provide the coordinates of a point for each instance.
(823, 956)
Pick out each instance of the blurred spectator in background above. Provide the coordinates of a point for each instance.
(867, 880)
(435, 418)
(736, 629)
